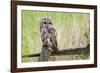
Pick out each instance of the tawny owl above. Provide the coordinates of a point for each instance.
(48, 34)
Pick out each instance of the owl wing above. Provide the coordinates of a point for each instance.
(43, 34)
(53, 39)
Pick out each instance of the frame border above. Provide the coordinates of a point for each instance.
(14, 35)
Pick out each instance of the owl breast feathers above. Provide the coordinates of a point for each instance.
(48, 34)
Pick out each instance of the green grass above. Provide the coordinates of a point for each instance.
(71, 29)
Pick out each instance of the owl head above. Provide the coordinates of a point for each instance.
(46, 22)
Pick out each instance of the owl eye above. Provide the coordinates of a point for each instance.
(44, 22)
(49, 22)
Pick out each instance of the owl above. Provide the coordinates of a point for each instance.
(48, 34)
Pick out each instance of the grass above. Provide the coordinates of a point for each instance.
(72, 29)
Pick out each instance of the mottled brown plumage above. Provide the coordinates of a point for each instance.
(48, 34)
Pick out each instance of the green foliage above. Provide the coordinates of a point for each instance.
(87, 34)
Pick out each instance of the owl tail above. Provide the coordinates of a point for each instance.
(55, 49)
